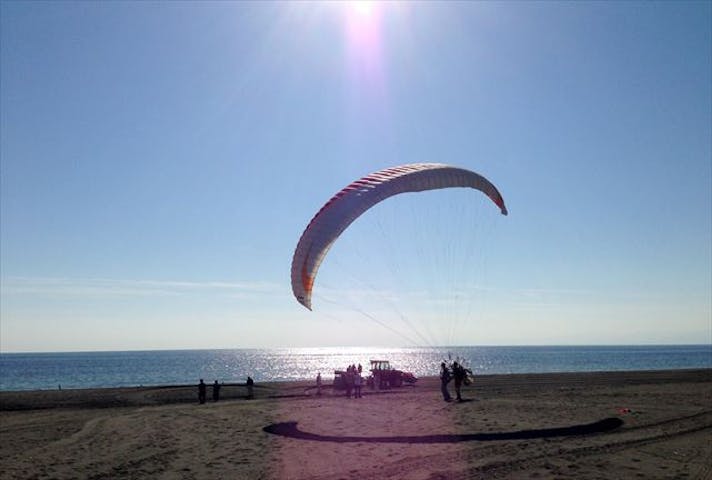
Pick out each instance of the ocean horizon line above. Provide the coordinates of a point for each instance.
(359, 347)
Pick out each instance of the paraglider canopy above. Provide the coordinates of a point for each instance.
(359, 196)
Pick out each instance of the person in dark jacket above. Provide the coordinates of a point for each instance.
(459, 373)
(444, 380)
(250, 383)
(216, 391)
(201, 391)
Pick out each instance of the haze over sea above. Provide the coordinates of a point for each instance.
(31, 371)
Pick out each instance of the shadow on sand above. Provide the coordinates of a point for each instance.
(290, 430)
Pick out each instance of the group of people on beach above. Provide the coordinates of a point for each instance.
(353, 381)
(455, 372)
(202, 390)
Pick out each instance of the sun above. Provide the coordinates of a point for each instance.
(361, 7)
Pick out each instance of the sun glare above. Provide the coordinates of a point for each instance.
(361, 7)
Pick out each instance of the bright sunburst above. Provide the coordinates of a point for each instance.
(364, 38)
(361, 7)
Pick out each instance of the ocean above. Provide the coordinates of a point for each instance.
(34, 371)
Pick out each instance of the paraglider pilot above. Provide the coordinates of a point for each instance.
(459, 373)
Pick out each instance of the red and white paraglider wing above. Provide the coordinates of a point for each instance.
(353, 200)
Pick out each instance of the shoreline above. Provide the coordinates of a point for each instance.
(170, 394)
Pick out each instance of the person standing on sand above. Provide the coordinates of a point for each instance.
(458, 371)
(348, 381)
(318, 383)
(250, 383)
(201, 391)
(357, 384)
(444, 380)
(216, 391)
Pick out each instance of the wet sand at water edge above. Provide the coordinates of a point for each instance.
(646, 425)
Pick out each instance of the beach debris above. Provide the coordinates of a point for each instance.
(627, 411)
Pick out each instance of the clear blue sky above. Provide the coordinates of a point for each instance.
(160, 161)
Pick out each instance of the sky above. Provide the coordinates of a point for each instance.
(160, 160)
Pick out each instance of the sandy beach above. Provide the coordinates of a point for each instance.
(655, 424)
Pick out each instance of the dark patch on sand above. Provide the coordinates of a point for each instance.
(290, 430)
